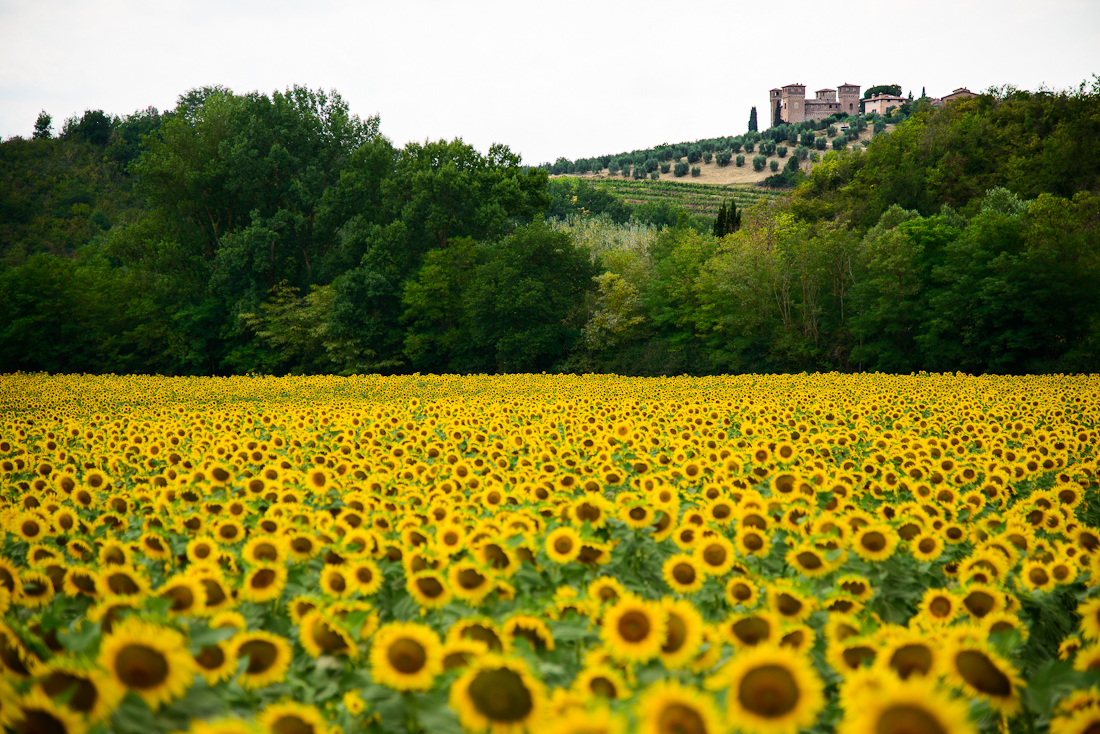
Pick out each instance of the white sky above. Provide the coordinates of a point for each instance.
(573, 79)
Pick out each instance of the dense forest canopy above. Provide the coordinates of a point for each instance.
(279, 233)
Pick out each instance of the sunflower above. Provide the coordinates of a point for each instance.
(908, 654)
(268, 657)
(470, 581)
(683, 573)
(532, 629)
(606, 589)
(600, 681)
(851, 654)
(1035, 575)
(429, 589)
(982, 599)
(462, 652)
(634, 629)
(264, 583)
(123, 581)
(684, 633)
(87, 690)
(808, 560)
(667, 707)
(772, 690)
(498, 695)
(740, 590)
(875, 542)
(790, 603)
(150, 660)
(926, 547)
(334, 582)
(903, 707)
(365, 575)
(799, 638)
(406, 656)
(481, 629)
(563, 544)
(185, 594)
(857, 586)
(753, 541)
(940, 607)
(980, 672)
(35, 589)
(584, 720)
(749, 630)
(1087, 659)
(265, 549)
(202, 549)
(290, 717)
(216, 662)
(218, 596)
(38, 713)
(321, 635)
(715, 554)
(1090, 618)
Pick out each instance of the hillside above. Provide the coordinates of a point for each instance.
(731, 175)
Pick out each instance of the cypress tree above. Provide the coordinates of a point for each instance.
(778, 112)
(720, 221)
(752, 120)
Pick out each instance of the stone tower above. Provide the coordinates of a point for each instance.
(776, 96)
(849, 98)
(794, 103)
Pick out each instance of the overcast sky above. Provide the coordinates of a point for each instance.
(573, 79)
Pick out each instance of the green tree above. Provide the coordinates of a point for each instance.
(43, 126)
(524, 303)
(752, 121)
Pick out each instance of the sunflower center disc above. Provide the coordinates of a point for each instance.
(634, 626)
(407, 656)
(684, 573)
(907, 719)
(261, 655)
(911, 659)
(677, 634)
(327, 638)
(980, 672)
(139, 666)
(264, 578)
(84, 691)
(470, 579)
(291, 725)
(768, 691)
(602, 687)
(874, 541)
(678, 719)
(500, 695)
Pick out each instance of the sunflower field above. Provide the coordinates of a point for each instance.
(768, 554)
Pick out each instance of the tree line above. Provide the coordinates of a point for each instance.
(278, 233)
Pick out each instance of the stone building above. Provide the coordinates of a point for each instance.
(794, 107)
(882, 102)
(960, 93)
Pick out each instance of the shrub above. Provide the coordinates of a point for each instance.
(651, 165)
(723, 158)
(750, 146)
(808, 139)
(708, 146)
(681, 169)
(769, 148)
(654, 175)
(740, 161)
(695, 171)
(831, 132)
(774, 165)
(626, 170)
(821, 143)
(694, 155)
(639, 172)
(792, 164)
(840, 142)
(802, 152)
(781, 151)
(736, 146)
(613, 166)
(792, 137)
(665, 167)
(815, 157)
(758, 162)
(880, 124)
(707, 156)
